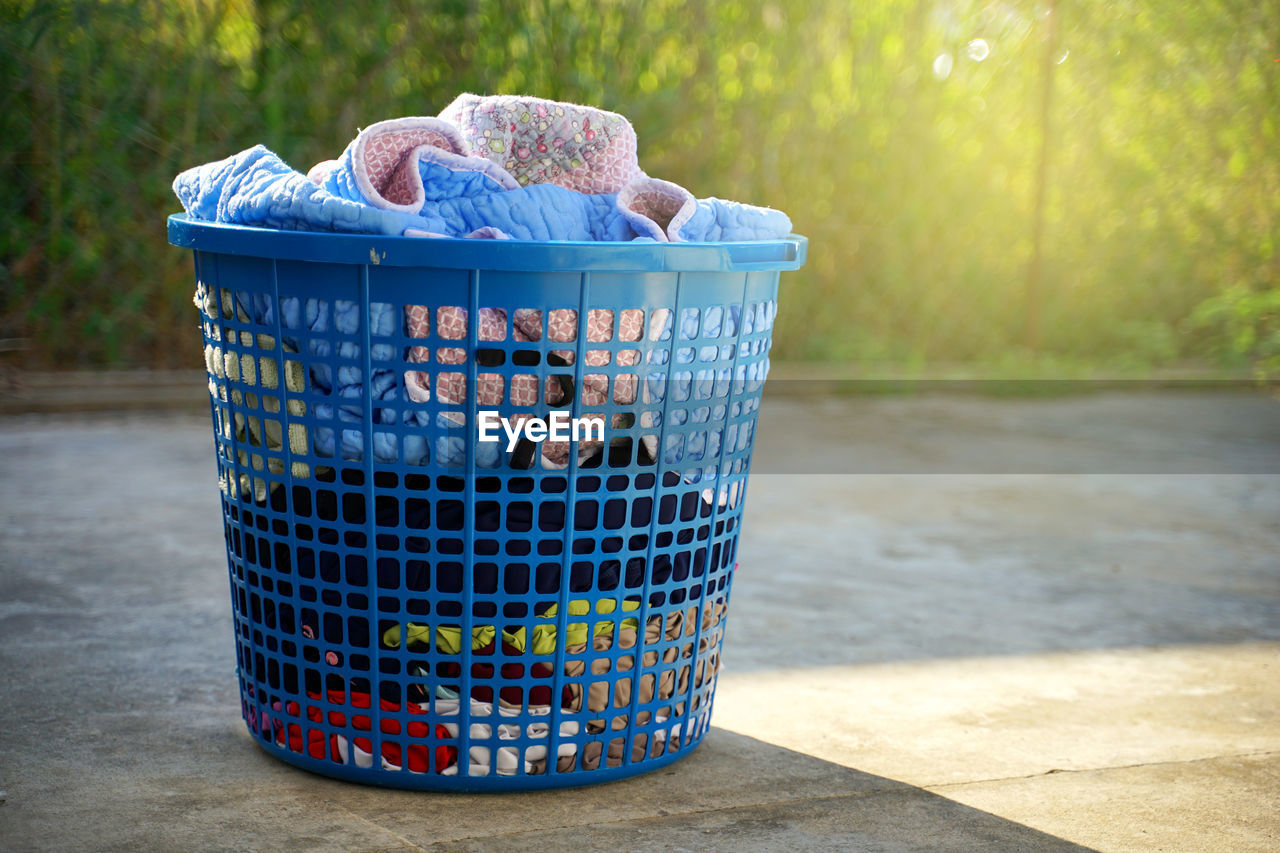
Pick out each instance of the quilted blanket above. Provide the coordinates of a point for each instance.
(501, 167)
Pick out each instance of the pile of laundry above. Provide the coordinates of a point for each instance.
(307, 325)
(487, 167)
(496, 167)
(342, 706)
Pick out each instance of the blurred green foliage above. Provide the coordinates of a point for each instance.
(901, 136)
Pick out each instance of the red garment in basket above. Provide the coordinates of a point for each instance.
(482, 671)
(446, 756)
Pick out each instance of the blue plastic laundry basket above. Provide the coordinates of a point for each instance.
(370, 532)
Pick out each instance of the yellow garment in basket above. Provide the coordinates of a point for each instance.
(448, 638)
(251, 426)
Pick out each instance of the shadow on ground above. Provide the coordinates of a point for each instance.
(212, 789)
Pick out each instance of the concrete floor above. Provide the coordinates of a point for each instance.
(995, 624)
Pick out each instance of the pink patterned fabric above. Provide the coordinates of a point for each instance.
(515, 141)
(387, 154)
(385, 157)
(562, 327)
(657, 208)
(549, 142)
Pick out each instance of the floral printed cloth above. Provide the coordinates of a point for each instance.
(546, 142)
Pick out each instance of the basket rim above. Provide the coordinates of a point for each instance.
(507, 255)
